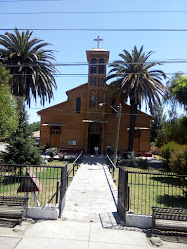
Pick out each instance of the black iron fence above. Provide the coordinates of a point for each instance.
(38, 182)
(138, 192)
(44, 185)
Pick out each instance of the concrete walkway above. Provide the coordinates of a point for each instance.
(89, 220)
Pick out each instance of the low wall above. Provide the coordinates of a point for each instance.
(46, 213)
(137, 220)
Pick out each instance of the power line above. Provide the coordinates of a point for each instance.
(95, 12)
(58, 74)
(99, 64)
(16, 1)
(84, 75)
(99, 30)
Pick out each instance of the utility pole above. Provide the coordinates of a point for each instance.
(117, 134)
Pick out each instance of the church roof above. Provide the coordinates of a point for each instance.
(98, 50)
(82, 85)
(57, 105)
(51, 107)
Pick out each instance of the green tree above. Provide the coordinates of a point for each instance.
(157, 124)
(21, 149)
(29, 63)
(134, 80)
(175, 130)
(172, 130)
(178, 88)
(177, 95)
(8, 107)
(35, 126)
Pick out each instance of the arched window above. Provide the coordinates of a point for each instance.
(92, 101)
(99, 97)
(113, 105)
(78, 105)
(93, 69)
(101, 68)
(92, 98)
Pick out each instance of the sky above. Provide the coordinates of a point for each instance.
(70, 45)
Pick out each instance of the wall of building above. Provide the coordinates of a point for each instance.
(142, 121)
(74, 129)
(65, 113)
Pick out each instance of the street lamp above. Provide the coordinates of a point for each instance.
(117, 129)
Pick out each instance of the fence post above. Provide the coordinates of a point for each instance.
(73, 170)
(63, 186)
(57, 187)
(122, 194)
(126, 191)
(67, 179)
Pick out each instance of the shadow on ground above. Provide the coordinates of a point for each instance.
(170, 201)
(8, 223)
(168, 236)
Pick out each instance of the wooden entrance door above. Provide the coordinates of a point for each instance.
(55, 133)
(137, 142)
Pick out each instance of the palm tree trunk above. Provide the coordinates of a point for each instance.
(133, 112)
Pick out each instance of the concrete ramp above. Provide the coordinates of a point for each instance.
(92, 193)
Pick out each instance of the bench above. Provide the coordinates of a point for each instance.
(13, 207)
(169, 218)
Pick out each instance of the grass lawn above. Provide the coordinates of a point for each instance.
(147, 190)
(48, 178)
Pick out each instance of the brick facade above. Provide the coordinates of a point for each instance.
(80, 123)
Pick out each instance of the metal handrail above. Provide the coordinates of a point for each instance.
(74, 161)
(68, 172)
(112, 163)
(72, 166)
(113, 166)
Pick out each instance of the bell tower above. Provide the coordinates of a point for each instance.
(97, 60)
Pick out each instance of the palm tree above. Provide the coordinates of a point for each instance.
(134, 80)
(178, 92)
(29, 63)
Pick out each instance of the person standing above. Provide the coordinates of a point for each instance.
(96, 148)
(108, 150)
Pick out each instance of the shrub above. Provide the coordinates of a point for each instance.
(178, 161)
(167, 149)
(51, 152)
(61, 156)
(138, 163)
(126, 154)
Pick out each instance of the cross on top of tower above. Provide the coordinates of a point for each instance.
(98, 40)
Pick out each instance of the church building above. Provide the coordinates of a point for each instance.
(85, 121)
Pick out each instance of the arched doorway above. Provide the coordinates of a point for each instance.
(94, 136)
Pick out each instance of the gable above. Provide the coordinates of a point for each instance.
(80, 91)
